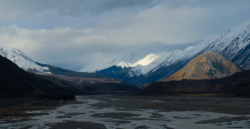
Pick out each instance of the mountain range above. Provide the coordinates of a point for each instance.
(29, 65)
(233, 45)
(23, 77)
(16, 82)
(144, 68)
(144, 62)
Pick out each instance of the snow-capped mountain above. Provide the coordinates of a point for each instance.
(233, 44)
(146, 64)
(21, 60)
(124, 61)
(143, 62)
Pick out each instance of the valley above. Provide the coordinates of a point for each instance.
(109, 64)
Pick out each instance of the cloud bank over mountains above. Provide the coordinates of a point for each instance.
(71, 34)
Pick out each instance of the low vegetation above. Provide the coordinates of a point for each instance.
(218, 66)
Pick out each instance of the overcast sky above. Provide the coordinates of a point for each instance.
(72, 33)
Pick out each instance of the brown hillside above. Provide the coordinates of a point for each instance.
(205, 66)
(104, 87)
(84, 80)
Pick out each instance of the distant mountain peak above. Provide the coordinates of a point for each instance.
(142, 63)
(20, 59)
(208, 65)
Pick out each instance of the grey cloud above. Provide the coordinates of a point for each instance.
(79, 7)
(200, 3)
(16, 9)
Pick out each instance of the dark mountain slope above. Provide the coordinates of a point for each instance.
(15, 82)
(237, 85)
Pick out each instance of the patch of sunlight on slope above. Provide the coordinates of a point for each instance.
(143, 62)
